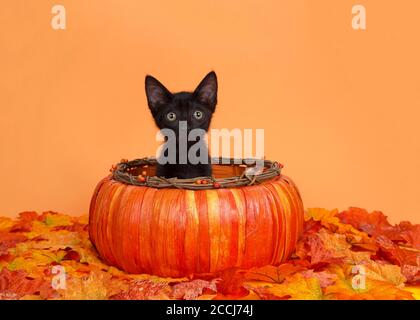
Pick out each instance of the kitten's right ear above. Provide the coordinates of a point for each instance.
(157, 94)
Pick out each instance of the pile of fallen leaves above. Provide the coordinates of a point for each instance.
(342, 255)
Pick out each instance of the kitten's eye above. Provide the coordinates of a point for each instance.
(198, 115)
(171, 116)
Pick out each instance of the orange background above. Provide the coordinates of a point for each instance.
(340, 107)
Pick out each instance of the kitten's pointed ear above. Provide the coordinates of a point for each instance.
(157, 94)
(206, 91)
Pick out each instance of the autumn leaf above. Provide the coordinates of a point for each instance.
(415, 291)
(75, 227)
(272, 273)
(332, 245)
(323, 215)
(385, 272)
(374, 223)
(330, 221)
(407, 258)
(332, 248)
(9, 240)
(16, 284)
(56, 240)
(190, 290)
(145, 290)
(325, 278)
(397, 254)
(412, 236)
(265, 293)
(34, 262)
(231, 285)
(412, 274)
(25, 221)
(376, 290)
(295, 287)
(5, 224)
(97, 285)
(54, 219)
(347, 288)
(72, 255)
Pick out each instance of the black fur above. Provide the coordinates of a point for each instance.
(184, 105)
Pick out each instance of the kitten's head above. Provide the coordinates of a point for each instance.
(196, 108)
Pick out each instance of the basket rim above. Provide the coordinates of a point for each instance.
(121, 173)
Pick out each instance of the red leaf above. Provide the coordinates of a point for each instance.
(375, 224)
(412, 235)
(320, 254)
(72, 255)
(18, 284)
(75, 227)
(411, 273)
(311, 226)
(408, 259)
(28, 216)
(24, 224)
(9, 240)
(231, 284)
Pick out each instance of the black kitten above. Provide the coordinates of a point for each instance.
(195, 109)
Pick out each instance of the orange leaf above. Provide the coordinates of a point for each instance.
(18, 284)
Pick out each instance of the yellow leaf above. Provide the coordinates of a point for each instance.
(320, 214)
(5, 223)
(415, 291)
(95, 286)
(84, 219)
(295, 286)
(385, 272)
(346, 288)
(35, 261)
(31, 297)
(57, 240)
(57, 219)
(38, 228)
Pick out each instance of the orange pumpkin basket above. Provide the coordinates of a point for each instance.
(141, 223)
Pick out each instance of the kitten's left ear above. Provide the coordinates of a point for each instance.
(206, 91)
